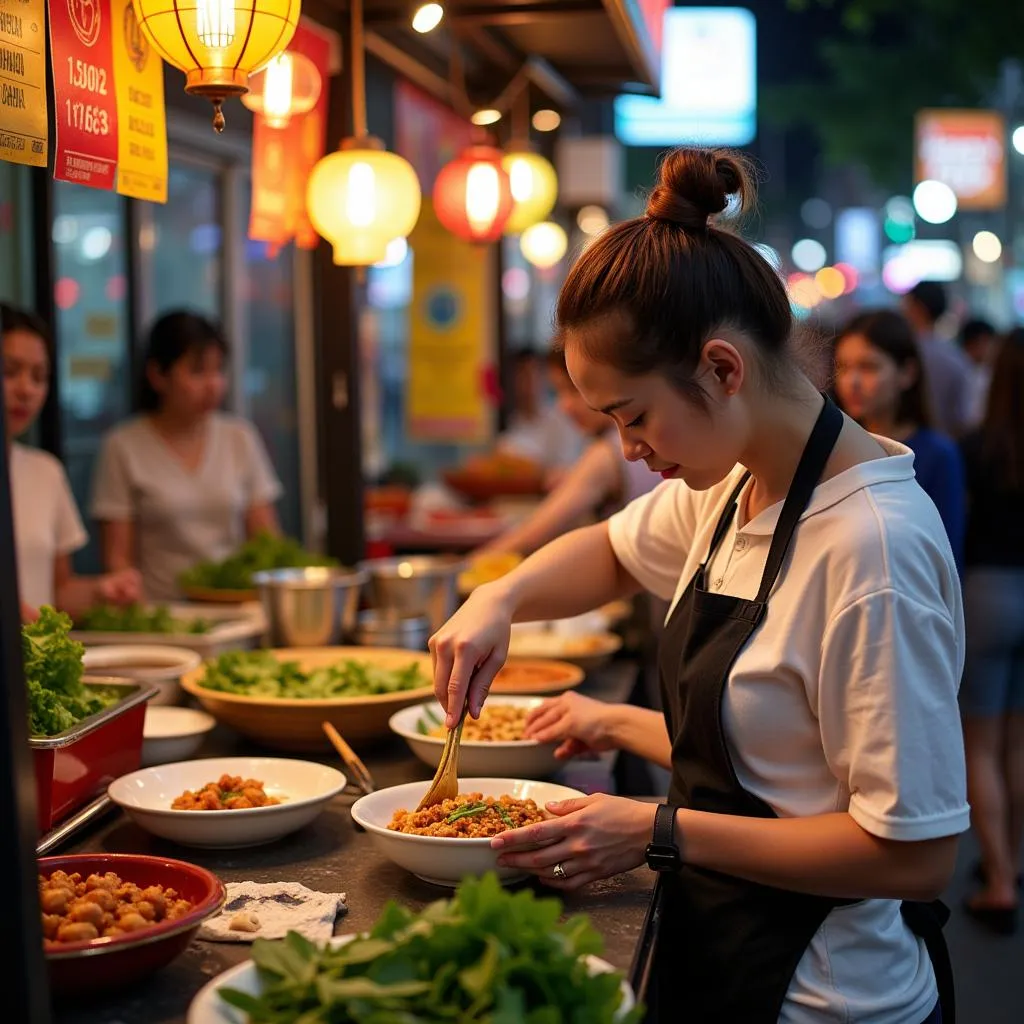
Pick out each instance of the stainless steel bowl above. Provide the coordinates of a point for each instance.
(313, 607)
(390, 629)
(422, 585)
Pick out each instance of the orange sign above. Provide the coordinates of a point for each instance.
(966, 150)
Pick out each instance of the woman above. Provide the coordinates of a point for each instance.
(992, 699)
(47, 526)
(183, 482)
(601, 477)
(879, 382)
(815, 595)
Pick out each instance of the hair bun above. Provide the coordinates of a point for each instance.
(694, 185)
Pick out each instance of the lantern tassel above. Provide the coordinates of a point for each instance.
(218, 117)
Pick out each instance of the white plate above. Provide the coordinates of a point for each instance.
(209, 1008)
(303, 787)
(173, 734)
(162, 666)
(524, 759)
(435, 858)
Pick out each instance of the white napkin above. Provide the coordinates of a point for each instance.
(269, 910)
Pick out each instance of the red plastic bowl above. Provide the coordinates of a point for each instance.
(82, 967)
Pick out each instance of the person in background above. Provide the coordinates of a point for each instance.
(946, 369)
(538, 430)
(881, 383)
(602, 480)
(47, 526)
(992, 695)
(979, 343)
(182, 482)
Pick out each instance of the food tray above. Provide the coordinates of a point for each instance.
(76, 765)
(234, 629)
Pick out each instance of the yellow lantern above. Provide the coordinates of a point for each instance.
(218, 43)
(360, 199)
(287, 87)
(534, 188)
(544, 244)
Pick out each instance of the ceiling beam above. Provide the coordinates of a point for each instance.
(494, 14)
(628, 21)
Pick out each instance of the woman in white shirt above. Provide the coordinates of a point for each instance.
(183, 482)
(809, 665)
(47, 526)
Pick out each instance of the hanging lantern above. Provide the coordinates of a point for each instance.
(287, 87)
(217, 43)
(544, 244)
(473, 196)
(534, 185)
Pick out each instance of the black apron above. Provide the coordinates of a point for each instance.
(727, 948)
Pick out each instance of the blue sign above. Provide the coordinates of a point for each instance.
(442, 309)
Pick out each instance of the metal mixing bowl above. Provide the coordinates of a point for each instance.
(314, 607)
(421, 585)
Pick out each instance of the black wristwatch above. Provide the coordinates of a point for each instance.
(662, 853)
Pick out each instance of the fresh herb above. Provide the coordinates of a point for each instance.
(57, 697)
(260, 674)
(428, 716)
(469, 811)
(486, 956)
(137, 619)
(263, 552)
(505, 816)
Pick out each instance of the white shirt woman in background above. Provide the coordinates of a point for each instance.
(183, 482)
(47, 526)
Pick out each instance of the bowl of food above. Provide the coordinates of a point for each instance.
(478, 941)
(491, 744)
(452, 840)
(537, 677)
(227, 802)
(111, 918)
(173, 734)
(160, 667)
(588, 651)
(281, 698)
(495, 475)
(486, 568)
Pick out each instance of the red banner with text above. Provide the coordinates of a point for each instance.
(85, 102)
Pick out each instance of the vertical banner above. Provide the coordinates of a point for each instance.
(83, 88)
(450, 335)
(141, 119)
(23, 128)
(282, 158)
(427, 133)
(966, 150)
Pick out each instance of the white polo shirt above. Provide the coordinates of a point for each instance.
(846, 697)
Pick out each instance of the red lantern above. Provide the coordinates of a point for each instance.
(473, 195)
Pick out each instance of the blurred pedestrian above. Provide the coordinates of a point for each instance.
(979, 343)
(992, 695)
(880, 382)
(946, 368)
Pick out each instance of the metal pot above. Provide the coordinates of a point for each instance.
(314, 607)
(388, 629)
(423, 585)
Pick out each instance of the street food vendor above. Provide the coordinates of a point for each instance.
(183, 482)
(47, 526)
(810, 662)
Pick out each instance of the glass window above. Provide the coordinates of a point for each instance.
(94, 372)
(15, 234)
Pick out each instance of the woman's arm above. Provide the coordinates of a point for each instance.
(261, 519)
(77, 594)
(595, 476)
(117, 539)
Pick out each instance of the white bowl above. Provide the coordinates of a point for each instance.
(525, 759)
(438, 859)
(173, 734)
(303, 787)
(209, 1008)
(162, 667)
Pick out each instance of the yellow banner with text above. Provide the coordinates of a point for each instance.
(24, 137)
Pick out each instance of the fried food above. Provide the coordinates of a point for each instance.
(498, 723)
(468, 816)
(228, 793)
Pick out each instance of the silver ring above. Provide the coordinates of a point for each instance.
(559, 871)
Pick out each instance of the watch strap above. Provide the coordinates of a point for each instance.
(664, 826)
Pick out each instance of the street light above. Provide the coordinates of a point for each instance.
(1018, 139)
(935, 201)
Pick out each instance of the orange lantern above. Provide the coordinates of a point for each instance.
(473, 195)
(285, 88)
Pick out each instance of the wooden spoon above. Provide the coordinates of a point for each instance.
(446, 779)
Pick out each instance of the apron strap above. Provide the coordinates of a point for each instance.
(926, 921)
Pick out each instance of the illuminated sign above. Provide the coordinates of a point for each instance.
(921, 260)
(966, 150)
(708, 82)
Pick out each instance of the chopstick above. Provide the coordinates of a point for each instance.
(360, 773)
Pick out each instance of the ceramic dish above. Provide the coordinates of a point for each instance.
(159, 666)
(102, 964)
(173, 734)
(525, 759)
(589, 651)
(537, 677)
(435, 858)
(296, 725)
(304, 789)
(209, 1008)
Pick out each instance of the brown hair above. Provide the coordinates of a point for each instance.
(1002, 432)
(675, 278)
(892, 334)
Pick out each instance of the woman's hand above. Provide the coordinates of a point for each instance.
(120, 588)
(592, 837)
(581, 725)
(469, 650)
(28, 613)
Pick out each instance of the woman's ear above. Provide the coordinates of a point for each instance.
(723, 362)
(908, 374)
(156, 377)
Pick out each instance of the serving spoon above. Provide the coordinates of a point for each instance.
(446, 779)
